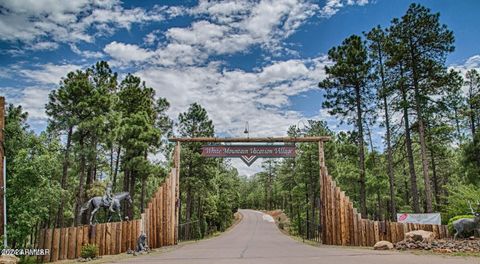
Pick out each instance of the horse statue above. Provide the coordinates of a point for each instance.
(98, 202)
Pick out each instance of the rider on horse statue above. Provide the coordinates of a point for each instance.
(108, 197)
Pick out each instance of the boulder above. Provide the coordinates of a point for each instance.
(383, 245)
(420, 235)
(9, 259)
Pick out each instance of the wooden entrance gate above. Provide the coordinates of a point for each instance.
(340, 223)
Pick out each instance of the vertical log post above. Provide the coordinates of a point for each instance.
(321, 163)
(2, 158)
(177, 190)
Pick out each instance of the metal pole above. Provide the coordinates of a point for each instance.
(4, 202)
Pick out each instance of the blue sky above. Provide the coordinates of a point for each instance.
(255, 60)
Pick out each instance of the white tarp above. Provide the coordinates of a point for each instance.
(433, 218)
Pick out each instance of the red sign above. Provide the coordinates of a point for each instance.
(248, 153)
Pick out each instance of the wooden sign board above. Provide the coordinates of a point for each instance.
(249, 153)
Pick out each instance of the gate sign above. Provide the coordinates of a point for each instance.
(432, 218)
(248, 153)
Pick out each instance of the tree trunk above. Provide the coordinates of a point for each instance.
(133, 176)
(407, 194)
(472, 111)
(81, 180)
(63, 183)
(126, 188)
(361, 153)
(423, 153)
(115, 171)
(307, 226)
(457, 125)
(188, 212)
(142, 194)
(111, 161)
(408, 144)
(290, 205)
(92, 160)
(379, 207)
(421, 132)
(436, 188)
(391, 175)
(390, 172)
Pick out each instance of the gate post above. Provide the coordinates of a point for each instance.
(321, 163)
(178, 205)
(3, 216)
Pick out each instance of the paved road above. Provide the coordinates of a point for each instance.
(257, 240)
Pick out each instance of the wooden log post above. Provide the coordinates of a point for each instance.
(113, 239)
(108, 238)
(55, 244)
(2, 158)
(123, 247)
(72, 242)
(79, 237)
(321, 162)
(48, 244)
(64, 247)
(177, 190)
(98, 235)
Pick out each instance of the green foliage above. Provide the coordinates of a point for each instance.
(459, 197)
(209, 187)
(471, 160)
(28, 260)
(89, 251)
(33, 170)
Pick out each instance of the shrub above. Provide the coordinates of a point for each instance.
(451, 230)
(28, 260)
(89, 251)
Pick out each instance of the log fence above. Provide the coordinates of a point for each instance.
(343, 225)
(158, 221)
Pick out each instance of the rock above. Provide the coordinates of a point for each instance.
(9, 259)
(442, 250)
(420, 235)
(383, 245)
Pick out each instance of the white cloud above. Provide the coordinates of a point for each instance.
(472, 62)
(48, 73)
(235, 96)
(86, 53)
(35, 21)
(228, 27)
(44, 45)
(151, 38)
(126, 52)
(331, 7)
(32, 99)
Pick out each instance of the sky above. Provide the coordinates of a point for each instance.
(243, 60)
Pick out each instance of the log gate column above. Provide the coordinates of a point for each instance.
(321, 208)
(2, 169)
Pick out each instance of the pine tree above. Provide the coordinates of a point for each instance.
(193, 123)
(377, 51)
(348, 94)
(472, 80)
(138, 135)
(426, 44)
